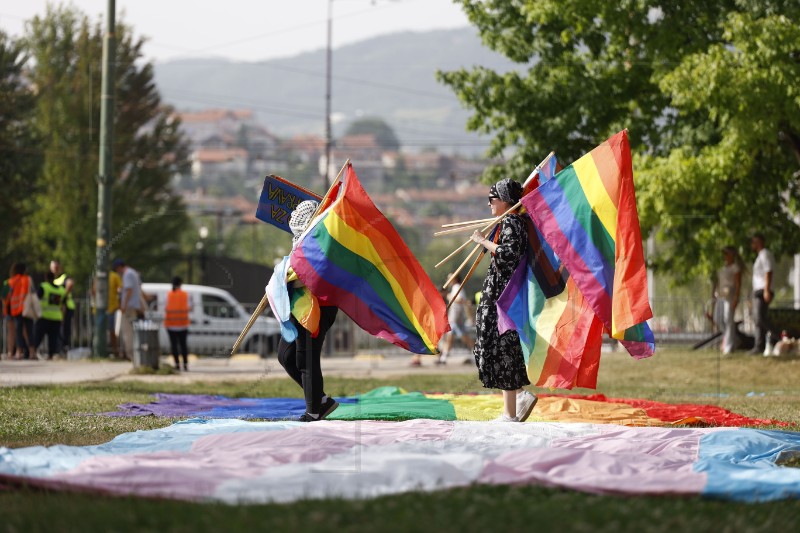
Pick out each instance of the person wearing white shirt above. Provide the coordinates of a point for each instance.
(763, 270)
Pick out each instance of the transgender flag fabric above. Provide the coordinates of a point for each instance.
(238, 462)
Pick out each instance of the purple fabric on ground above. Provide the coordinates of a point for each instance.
(207, 406)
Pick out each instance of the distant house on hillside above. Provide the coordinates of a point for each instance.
(366, 155)
(230, 143)
(201, 125)
(212, 164)
(306, 148)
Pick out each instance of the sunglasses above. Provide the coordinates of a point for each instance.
(493, 198)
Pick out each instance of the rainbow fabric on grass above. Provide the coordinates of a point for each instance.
(352, 257)
(587, 213)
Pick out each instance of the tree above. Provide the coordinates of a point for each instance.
(745, 177)
(19, 157)
(383, 133)
(148, 148)
(588, 68)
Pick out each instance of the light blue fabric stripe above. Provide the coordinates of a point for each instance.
(740, 465)
(42, 462)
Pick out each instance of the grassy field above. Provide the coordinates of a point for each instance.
(753, 386)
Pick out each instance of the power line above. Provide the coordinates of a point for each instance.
(276, 32)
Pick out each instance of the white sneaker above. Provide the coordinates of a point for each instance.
(525, 404)
(505, 418)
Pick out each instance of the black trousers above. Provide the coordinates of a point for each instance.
(51, 328)
(177, 341)
(300, 358)
(761, 320)
(66, 329)
(24, 341)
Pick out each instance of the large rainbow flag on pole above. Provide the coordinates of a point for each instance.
(559, 333)
(352, 257)
(587, 213)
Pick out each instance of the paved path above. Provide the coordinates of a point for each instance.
(242, 367)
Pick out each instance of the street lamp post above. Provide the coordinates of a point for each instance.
(201, 248)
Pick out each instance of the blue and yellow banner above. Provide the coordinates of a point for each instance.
(278, 199)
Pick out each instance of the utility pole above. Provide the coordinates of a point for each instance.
(328, 138)
(104, 182)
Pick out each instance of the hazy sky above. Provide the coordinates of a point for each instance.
(251, 30)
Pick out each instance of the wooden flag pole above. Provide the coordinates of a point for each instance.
(333, 184)
(467, 222)
(465, 227)
(469, 275)
(538, 168)
(259, 309)
(461, 267)
(498, 219)
(483, 230)
(265, 299)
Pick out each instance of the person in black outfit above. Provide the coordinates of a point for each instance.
(301, 358)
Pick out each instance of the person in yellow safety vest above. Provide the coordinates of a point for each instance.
(176, 322)
(62, 280)
(52, 298)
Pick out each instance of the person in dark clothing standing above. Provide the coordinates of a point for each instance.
(301, 357)
(501, 363)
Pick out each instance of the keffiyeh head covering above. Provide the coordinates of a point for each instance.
(507, 190)
(300, 218)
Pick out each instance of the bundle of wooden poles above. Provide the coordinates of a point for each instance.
(484, 225)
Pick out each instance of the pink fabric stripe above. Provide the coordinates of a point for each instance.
(223, 457)
(617, 461)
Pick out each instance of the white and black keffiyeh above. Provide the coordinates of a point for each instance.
(300, 218)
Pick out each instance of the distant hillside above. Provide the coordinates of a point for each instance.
(390, 76)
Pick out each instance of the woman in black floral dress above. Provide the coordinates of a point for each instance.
(501, 364)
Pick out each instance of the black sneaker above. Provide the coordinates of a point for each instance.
(328, 407)
(308, 418)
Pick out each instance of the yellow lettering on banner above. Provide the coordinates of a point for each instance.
(284, 197)
(279, 214)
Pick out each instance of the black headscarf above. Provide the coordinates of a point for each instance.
(507, 190)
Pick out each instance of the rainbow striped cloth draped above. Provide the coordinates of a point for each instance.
(352, 257)
(559, 333)
(587, 213)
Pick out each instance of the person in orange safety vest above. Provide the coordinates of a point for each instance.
(176, 322)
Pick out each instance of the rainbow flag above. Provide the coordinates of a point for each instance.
(559, 333)
(587, 213)
(352, 257)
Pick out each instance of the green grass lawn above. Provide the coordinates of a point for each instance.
(49, 415)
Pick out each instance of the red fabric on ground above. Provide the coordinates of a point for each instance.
(688, 413)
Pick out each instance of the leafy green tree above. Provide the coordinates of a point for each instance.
(19, 156)
(744, 175)
(384, 134)
(147, 216)
(700, 94)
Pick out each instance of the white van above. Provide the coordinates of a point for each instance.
(217, 319)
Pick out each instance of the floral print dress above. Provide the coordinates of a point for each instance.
(501, 364)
